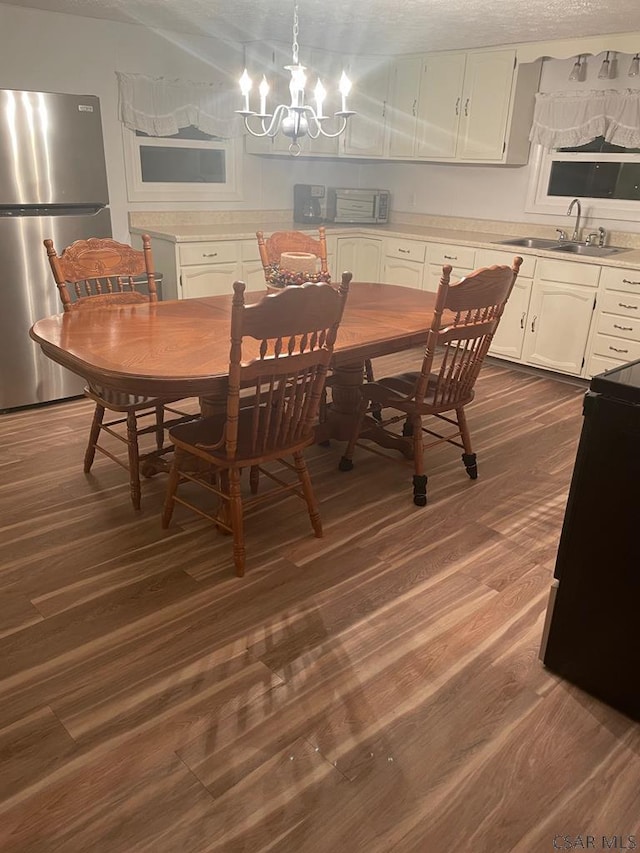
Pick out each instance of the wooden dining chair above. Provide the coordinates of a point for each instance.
(98, 273)
(465, 319)
(272, 247)
(281, 348)
(271, 250)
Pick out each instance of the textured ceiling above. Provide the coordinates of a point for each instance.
(369, 26)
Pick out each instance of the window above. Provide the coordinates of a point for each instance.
(189, 165)
(605, 175)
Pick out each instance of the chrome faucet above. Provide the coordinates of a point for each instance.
(576, 231)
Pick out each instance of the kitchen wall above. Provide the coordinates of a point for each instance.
(68, 53)
(52, 52)
(494, 192)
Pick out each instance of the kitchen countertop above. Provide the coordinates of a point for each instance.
(198, 232)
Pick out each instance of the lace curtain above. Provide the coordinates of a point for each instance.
(569, 119)
(160, 106)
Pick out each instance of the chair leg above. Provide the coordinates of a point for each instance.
(346, 461)
(419, 477)
(134, 459)
(94, 432)
(159, 427)
(235, 510)
(468, 457)
(172, 487)
(309, 496)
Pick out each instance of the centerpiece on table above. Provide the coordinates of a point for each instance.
(295, 268)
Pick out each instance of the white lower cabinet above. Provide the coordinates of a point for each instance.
(461, 259)
(251, 271)
(404, 262)
(208, 268)
(616, 337)
(558, 323)
(508, 341)
(358, 255)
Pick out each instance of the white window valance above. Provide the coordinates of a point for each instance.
(570, 119)
(161, 107)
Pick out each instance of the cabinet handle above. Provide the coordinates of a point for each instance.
(458, 107)
(623, 305)
(384, 109)
(451, 257)
(626, 281)
(404, 251)
(466, 107)
(623, 328)
(209, 254)
(524, 314)
(533, 323)
(415, 104)
(615, 349)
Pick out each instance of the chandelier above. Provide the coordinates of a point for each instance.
(296, 119)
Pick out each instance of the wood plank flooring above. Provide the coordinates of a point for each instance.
(376, 690)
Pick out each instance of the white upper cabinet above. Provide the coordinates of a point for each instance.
(473, 107)
(439, 102)
(402, 106)
(486, 97)
(366, 132)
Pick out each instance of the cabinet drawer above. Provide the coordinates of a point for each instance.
(457, 256)
(616, 303)
(619, 327)
(488, 257)
(611, 347)
(620, 279)
(567, 272)
(598, 364)
(410, 250)
(214, 252)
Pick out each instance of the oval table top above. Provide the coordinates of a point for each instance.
(181, 347)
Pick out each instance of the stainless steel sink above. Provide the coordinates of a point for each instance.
(568, 247)
(592, 251)
(529, 242)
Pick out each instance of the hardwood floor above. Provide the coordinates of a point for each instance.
(376, 690)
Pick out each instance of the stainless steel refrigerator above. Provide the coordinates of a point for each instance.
(53, 183)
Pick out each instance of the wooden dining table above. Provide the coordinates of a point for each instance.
(180, 348)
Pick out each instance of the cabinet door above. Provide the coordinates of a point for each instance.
(369, 258)
(509, 338)
(406, 273)
(402, 108)
(209, 280)
(365, 134)
(360, 256)
(252, 273)
(439, 105)
(485, 105)
(558, 326)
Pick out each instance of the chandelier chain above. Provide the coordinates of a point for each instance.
(296, 30)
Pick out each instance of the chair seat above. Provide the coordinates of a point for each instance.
(393, 391)
(208, 431)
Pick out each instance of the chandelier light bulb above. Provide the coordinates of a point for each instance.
(264, 91)
(245, 88)
(320, 93)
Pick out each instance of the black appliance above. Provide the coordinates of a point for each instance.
(308, 203)
(591, 634)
